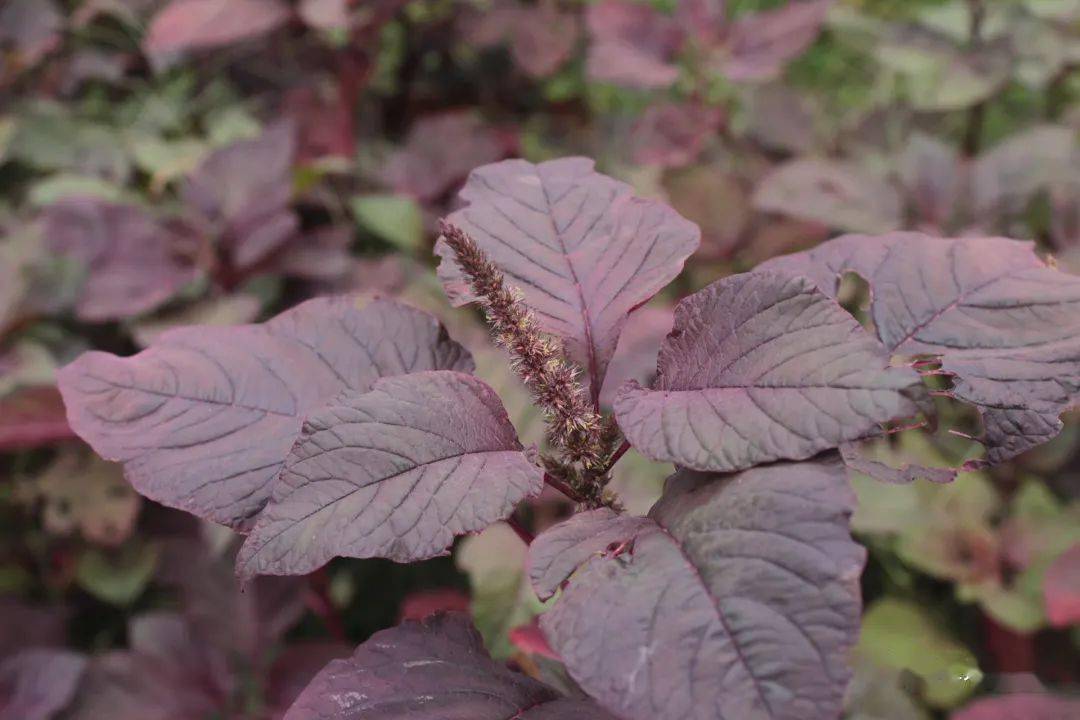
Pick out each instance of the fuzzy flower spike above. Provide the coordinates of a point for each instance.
(574, 427)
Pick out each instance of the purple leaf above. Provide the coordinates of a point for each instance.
(559, 551)
(759, 45)
(632, 44)
(165, 676)
(295, 667)
(128, 256)
(673, 134)
(1004, 178)
(541, 38)
(434, 670)
(246, 622)
(242, 193)
(29, 30)
(23, 626)
(581, 248)
(934, 178)
(1005, 325)
(837, 194)
(397, 472)
(639, 344)
(762, 367)
(204, 418)
(737, 598)
(1029, 706)
(38, 684)
(201, 24)
(439, 151)
(907, 473)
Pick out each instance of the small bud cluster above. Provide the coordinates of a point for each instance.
(574, 427)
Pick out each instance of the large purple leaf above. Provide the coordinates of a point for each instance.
(432, 670)
(1005, 324)
(583, 250)
(762, 367)
(37, 684)
(242, 193)
(129, 258)
(759, 45)
(737, 598)
(632, 44)
(397, 472)
(1029, 706)
(204, 418)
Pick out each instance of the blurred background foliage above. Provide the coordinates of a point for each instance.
(167, 162)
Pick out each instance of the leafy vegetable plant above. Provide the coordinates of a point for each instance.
(350, 427)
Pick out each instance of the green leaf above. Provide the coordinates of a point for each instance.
(57, 187)
(7, 132)
(394, 218)
(502, 596)
(899, 634)
(117, 579)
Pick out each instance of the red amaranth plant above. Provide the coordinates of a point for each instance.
(358, 429)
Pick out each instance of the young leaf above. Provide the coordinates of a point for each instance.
(737, 598)
(580, 247)
(128, 256)
(204, 418)
(762, 367)
(434, 670)
(397, 472)
(37, 684)
(1005, 325)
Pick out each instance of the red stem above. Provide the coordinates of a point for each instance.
(618, 455)
(526, 536)
(562, 487)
